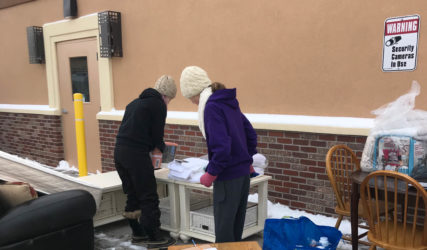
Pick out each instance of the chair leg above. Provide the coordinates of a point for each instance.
(337, 225)
(373, 247)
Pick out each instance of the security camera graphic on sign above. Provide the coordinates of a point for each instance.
(393, 41)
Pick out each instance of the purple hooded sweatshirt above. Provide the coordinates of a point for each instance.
(230, 137)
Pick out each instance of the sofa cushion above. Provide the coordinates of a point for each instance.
(13, 194)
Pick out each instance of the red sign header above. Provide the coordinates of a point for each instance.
(401, 27)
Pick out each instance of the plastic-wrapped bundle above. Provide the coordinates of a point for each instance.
(398, 140)
(260, 162)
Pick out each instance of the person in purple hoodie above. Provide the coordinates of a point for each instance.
(231, 142)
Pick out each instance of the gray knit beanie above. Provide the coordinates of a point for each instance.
(193, 81)
(166, 86)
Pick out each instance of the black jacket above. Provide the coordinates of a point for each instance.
(143, 123)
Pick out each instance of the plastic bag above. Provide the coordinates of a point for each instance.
(260, 162)
(398, 138)
(299, 233)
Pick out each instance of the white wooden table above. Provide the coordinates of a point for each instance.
(261, 182)
(173, 194)
(113, 199)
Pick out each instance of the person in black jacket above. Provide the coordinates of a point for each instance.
(141, 133)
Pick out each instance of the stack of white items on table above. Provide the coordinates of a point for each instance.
(188, 170)
(260, 163)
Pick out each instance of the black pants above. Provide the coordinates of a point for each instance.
(230, 200)
(139, 184)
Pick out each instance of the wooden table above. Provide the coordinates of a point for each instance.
(357, 178)
(246, 245)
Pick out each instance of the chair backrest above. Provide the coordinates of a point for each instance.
(405, 228)
(341, 162)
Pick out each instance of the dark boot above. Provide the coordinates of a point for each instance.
(158, 245)
(138, 233)
(170, 242)
(156, 238)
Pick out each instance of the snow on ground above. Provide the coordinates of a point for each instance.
(104, 242)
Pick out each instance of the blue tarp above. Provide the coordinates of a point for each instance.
(299, 233)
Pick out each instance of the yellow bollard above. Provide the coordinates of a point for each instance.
(80, 134)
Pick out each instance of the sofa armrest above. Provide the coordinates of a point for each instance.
(46, 214)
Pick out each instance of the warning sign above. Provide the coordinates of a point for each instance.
(400, 43)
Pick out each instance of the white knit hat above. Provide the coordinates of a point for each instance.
(193, 81)
(166, 86)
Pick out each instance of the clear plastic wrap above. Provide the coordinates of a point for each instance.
(398, 140)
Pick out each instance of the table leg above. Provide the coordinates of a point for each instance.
(174, 209)
(354, 215)
(262, 203)
(184, 197)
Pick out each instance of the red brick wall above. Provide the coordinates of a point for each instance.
(297, 165)
(189, 138)
(296, 161)
(32, 136)
(107, 133)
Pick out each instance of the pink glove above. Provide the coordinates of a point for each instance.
(252, 172)
(251, 169)
(207, 179)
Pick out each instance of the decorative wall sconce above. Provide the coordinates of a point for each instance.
(110, 34)
(35, 44)
(70, 8)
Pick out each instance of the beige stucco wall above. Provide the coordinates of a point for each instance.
(303, 57)
(20, 81)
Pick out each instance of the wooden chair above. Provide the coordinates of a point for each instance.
(409, 229)
(341, 162)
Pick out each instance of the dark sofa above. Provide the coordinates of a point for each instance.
(61, 220)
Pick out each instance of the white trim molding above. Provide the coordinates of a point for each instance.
(27, 109)
(300, 123)
(297, 123)
(65, 30)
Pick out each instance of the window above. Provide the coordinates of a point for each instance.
(79, 77)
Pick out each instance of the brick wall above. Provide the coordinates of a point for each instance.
(107, 133)
(297, 165)
(296, 161)
(32, 136)
(189, 138)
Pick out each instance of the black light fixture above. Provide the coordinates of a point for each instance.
(70, 8)
(35, 44)
(110, 34)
